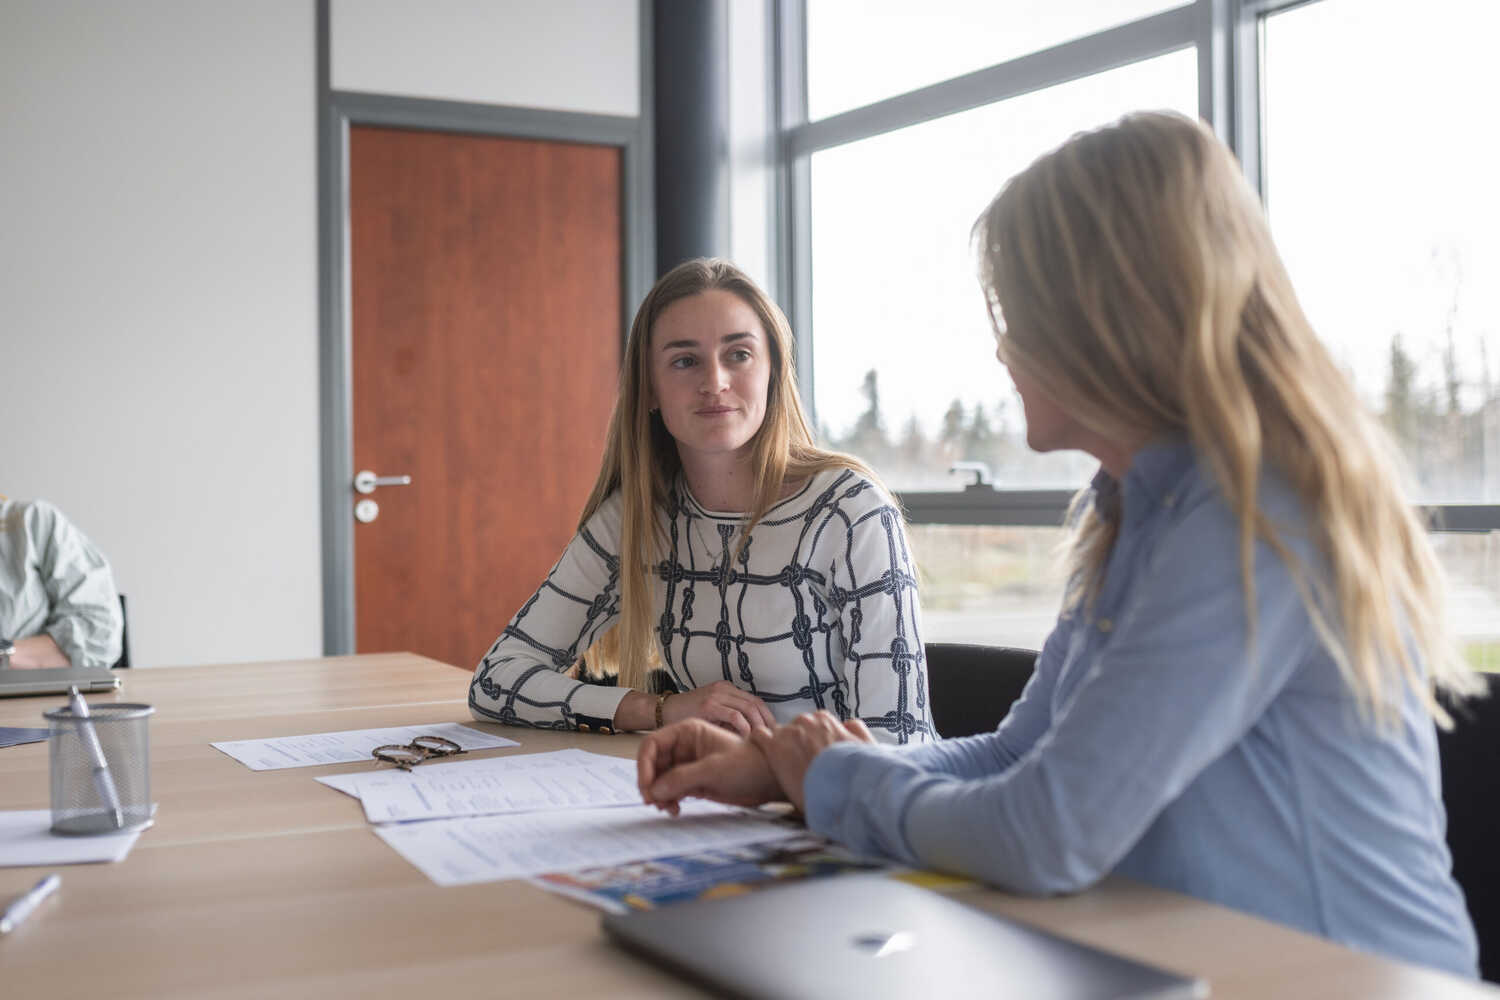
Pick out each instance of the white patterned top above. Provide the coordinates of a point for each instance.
(820, 610)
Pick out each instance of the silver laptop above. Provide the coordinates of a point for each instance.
(868, 936)
(56, 680)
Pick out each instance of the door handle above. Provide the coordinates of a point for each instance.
(366, 481)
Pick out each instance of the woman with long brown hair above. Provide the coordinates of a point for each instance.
(764, 575)
(1238, 701)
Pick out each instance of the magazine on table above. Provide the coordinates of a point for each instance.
(645, 885)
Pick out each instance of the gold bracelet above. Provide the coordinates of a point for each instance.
(661, 700)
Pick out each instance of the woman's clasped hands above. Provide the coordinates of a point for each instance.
(721, 703)
(696, 759)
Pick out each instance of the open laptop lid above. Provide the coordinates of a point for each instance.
(20, 683)
(869, 936)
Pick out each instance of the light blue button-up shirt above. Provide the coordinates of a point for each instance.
(1155, 741)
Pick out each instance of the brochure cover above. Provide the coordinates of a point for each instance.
(645, 885)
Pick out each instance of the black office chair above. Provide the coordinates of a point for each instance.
(972, 687)
(1471, 762)
(123, 662)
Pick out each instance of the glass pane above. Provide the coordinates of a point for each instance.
(1380, 184)
(904, 364)
(1002, 586)
(862, 51)
(1472, 565)
(997, 586)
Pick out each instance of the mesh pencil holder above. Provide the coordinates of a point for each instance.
(89, 799)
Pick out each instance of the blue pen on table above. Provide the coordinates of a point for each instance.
(102, 779)
(28, 901)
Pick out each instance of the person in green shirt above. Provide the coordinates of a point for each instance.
(58, 603)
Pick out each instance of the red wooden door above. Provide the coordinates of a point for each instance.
(486, 306)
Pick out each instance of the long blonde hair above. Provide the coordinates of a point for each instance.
(641, 461)
(1131, 272)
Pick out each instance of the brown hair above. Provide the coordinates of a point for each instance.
(641, 461)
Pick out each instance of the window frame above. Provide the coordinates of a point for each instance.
(1228, 37)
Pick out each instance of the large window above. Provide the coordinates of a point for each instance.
(1381, 184)
(1362, 122)
(1379, 180)
(861, 51)
(904, 356)
(988, 584)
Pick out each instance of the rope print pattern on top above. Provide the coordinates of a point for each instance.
(819, 611)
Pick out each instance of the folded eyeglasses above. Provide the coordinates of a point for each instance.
(408, 755)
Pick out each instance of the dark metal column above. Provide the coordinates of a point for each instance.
(691, 43)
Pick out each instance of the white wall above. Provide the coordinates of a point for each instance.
(566, 55)
(159, 302)
(158, 273)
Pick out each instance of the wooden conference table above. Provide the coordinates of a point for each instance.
(255, 884)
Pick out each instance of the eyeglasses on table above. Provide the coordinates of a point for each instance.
(408, 755)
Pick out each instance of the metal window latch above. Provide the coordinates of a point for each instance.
(980, 470)
(366, 481)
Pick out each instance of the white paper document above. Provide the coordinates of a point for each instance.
(26, 838)
(349, 746)
(491, 848)
(562, 779)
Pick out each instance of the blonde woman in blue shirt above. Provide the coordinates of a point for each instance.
(1238, 700)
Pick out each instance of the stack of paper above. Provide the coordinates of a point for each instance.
(465, 821)
(524, 815)
(26, 839)
(518, 845)
(563, 779)
(347, 747)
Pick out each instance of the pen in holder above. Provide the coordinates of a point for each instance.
(101, 767)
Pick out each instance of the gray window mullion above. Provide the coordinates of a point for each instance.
(793, 192)
(1151, 36)
(1462, 517)
(985, 505)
